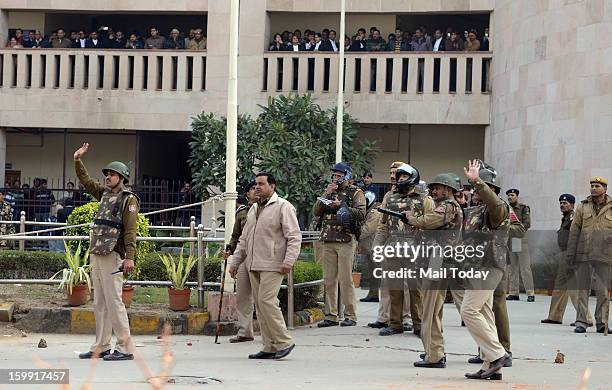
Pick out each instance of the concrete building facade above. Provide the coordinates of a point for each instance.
(537, 106)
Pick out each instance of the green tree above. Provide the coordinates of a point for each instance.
(292, 138)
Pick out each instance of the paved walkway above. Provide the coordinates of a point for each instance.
(342, 358)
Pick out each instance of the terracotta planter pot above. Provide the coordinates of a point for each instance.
(127, 294)
(78, 296)
(356, 279)
(178, 299)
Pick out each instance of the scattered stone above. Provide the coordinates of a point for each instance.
(367, 339)
(560, 358)
(189, 343)
(23, 334)
(42, 343)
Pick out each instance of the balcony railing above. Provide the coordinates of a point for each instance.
(409, 73)
(163, 70)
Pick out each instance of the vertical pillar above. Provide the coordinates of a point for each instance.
(2, 154)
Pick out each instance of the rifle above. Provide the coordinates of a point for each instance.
(395, 214)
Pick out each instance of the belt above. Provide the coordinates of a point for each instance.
(108, 223)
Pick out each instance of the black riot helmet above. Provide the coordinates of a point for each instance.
(345, 169)
(488, 174)
(407, 184)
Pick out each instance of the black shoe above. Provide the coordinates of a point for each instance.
(478, 375)
(389, 331)
(579, 329)
(417, 333)
(475, 360)
(407, 327)
(547, 321)
(283, 353)
(601, 329)
(116, 356)
(377, 325)
(574, 324)
(425, 364)
(508, 362)
(327, 323)
(369, 299)
(495, 366)
(531, 298)
(422, 357)
(513, 298)
(263, 355)
(348, 322)
(90, 354)
(462, 323)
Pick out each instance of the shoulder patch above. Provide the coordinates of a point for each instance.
(132, 208)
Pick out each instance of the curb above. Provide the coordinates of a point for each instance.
(82, 321)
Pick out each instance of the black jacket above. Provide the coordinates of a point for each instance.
(91, 45)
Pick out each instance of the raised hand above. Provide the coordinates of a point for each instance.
(80, 152)
(472, 171)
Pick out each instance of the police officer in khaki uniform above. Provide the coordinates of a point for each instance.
(342, 211)
(447, 216)
(384, 307)
(391, 231)
(520, 262)
(113, 246)
(558, 303)
(589, 253)
(244, 295)
(364, 247)
(485, 225)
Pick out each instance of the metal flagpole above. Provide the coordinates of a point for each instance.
(230, 194)
(340, 103)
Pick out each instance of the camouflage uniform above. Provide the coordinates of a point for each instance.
(114, 239)
(447, 216)
(244, 295)
(391, 231)
(339, 245)
(520, 262)
(6, 214)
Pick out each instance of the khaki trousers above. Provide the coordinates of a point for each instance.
(560, 294)
(500, 310)
(337, 270)
(265, 286)
(477, 313)
(601, 272)
(384, 307)
(109, 311)
(433, 309)
(520, 264)
(244, 302)
(397, 306)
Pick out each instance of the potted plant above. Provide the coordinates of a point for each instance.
(178, 272)
(127, 293)
(75, 277)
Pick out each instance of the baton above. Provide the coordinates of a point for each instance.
(395, 214)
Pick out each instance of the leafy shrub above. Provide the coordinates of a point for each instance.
(30, 265)
(152, 268)
(87, 213)
(303, 271)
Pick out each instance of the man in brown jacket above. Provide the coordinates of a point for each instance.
(589, 250)
(269, 245)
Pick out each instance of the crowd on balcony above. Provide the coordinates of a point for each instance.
(419, 40)
(106, 38)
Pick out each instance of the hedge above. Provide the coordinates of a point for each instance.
(30, 265)
(42, 265)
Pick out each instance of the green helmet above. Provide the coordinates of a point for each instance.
(120, 168)
(488, 174)
(447, 179)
